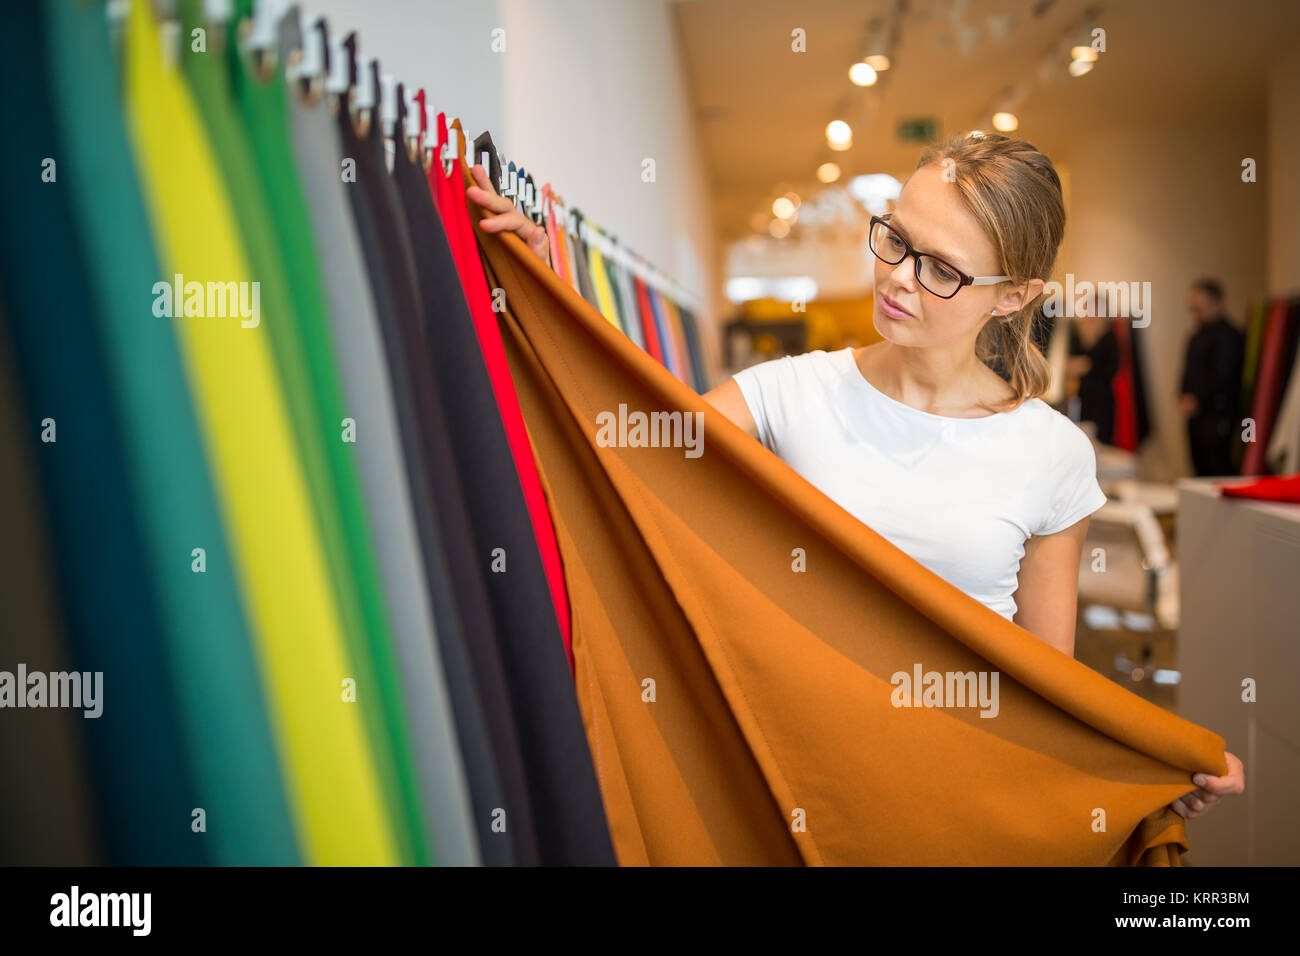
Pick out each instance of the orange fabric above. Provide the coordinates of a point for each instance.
(772, 687)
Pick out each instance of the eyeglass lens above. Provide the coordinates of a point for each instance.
(889, 246)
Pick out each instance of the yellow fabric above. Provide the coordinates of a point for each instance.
(331, 778)
(600, 281)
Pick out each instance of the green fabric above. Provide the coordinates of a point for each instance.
(1249, 370)
(304, 353)
(224, 721)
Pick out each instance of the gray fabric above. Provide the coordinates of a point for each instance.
(369, 400)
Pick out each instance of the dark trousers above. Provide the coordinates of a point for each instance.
(1210, 438)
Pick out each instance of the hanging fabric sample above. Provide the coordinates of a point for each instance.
(744, 649)
(332, 781)
(76, 445)
(560, 783)
(368, 394)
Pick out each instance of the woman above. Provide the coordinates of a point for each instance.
(972, 475)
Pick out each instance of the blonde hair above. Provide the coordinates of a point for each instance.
(1014, 193)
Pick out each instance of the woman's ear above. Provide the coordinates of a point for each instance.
(1015, 298)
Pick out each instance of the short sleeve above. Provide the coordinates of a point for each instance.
(1075, 491)
(768, 388)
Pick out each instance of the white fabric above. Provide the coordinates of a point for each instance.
(1283, 452)
(960, 495)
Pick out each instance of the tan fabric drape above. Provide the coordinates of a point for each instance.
(740, 711)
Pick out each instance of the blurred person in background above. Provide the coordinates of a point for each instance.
(1211, 385)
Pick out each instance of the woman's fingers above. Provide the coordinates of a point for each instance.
(506, 217)
(1233, 782)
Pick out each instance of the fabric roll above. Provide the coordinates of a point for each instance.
(229, 747)
(492, 762)
(368, 397)
(143, 788)
(479, 299)
(562, 796)
(739, 639)
(333, 788)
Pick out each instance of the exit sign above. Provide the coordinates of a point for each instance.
(922, 130)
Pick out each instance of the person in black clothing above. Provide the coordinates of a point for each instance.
(1094, 359)
(1211, 383)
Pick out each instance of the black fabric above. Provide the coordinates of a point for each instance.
(1096, 398)
(1212, 372)
(1138, 363)
(568, 813)
(107, 597)
(492, 764)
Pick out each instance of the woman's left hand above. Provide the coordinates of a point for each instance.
(1211, 788)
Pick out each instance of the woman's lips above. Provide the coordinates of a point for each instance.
(892, 308)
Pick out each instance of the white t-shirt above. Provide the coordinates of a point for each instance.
(960, 495)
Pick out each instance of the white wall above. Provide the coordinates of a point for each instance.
(584, 91)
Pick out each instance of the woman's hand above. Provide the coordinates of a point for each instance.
(1211, 788)
(504, 215)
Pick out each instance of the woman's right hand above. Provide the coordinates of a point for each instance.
(503, 216)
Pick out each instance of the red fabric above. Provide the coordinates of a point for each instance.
(652, 345)
(1268, 488)
(1268, 387)
(454, 207)
(1121, 386)
(553, 234)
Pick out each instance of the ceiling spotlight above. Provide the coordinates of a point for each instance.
(878, 62)
(862, 74)
(779, 228)
(839, 135)
(828, 172)
(1005, 122)
(1080, 67)
(782, 208)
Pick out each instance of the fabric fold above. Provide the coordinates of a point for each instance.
(738, 640)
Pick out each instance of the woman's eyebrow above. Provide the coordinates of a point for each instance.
(955, 260)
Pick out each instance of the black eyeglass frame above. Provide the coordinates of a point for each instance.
(916, 261)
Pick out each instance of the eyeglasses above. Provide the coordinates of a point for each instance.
(934, 275)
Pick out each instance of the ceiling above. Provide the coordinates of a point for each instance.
(762, 109)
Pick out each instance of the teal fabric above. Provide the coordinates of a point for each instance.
(102, 571)
(223, 717)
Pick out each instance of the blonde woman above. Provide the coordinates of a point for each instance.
(971, 474)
